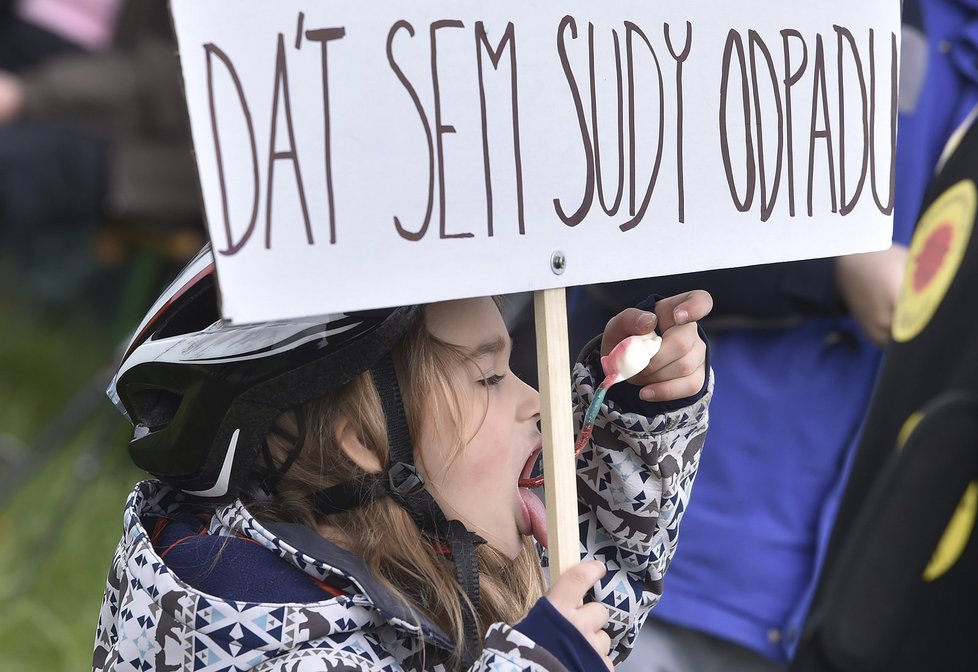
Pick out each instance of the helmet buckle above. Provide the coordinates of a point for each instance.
(403, 480)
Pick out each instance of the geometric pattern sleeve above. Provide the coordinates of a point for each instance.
(633, 484)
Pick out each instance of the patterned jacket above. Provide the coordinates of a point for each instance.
(634, 482)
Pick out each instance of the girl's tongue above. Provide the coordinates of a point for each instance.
(536, 515)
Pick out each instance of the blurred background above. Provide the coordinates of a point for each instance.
(64, 471)
(98, 208)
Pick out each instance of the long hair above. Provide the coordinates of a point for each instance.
(381, 532)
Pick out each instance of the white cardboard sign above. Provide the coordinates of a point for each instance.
(368, 154)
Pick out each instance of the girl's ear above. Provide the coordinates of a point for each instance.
(350, 443)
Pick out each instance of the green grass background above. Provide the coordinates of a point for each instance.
(60, 325)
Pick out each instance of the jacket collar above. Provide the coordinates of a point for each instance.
(353, 568)
(324, 560)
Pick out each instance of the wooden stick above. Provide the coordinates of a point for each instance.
(553, 360)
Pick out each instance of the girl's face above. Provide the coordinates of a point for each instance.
(478, 484)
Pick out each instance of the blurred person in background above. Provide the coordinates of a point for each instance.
(796, 349)
(93, 124)
(898, 571)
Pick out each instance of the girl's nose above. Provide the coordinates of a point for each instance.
(530, 401)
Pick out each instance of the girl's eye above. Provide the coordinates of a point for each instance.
(489, 381)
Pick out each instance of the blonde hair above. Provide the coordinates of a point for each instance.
(381, 532)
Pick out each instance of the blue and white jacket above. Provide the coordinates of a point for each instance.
(634, 482)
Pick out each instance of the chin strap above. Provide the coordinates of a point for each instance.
(405, 485)
(275, 474)
(463, 543)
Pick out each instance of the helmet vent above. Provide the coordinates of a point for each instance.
(197, 311)
(154, 408)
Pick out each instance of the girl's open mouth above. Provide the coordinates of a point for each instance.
(534, 512)
(532, 474)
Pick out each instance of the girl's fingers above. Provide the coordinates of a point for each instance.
(629, 322)
(594, 616)
(677, 388)
(679, 379)
(569, 589)
(683, 308)
(636, 321)
(602, 644)
(679, 368)
(566, 595)
(679, 343)
(679, 310)
(689, 364)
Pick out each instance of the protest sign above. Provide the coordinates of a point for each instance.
(372, 154)
(357, 155)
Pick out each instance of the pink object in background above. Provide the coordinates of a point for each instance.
(88, 23)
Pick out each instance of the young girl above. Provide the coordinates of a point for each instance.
(345, 492)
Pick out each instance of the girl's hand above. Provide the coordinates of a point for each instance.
(678, 370)
(567, 595)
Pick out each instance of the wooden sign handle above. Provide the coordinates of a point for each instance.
(550, 312)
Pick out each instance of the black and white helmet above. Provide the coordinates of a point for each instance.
(203, 393)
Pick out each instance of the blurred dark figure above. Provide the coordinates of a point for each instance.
(93, 124)
(901, 573)
(796, 351)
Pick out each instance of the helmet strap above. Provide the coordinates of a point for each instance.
(463, 543)
(275, 474)
(403, 483)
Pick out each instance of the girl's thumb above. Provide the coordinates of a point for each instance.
(572, 585)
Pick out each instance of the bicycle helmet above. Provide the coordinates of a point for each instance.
(202, 393)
